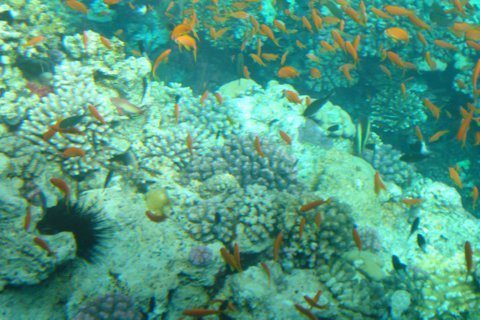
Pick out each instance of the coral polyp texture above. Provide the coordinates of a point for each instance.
(74, 93)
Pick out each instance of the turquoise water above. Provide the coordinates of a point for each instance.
(252, 159)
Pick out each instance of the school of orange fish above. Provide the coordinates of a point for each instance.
(334, 23)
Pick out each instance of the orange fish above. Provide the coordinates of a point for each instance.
(306, 24)
(246, 73)
(34, 41)
(269, 56)
(176, 111)
(288, 72)
(314, 204)
(187, 42)
(285, 137)
(397, 34)
(437, 135)
(421, 38)
(395, 59)
(180, 30)
(28, 218)
(455, 177)
(378, 183)
(430, 62)
(111, 2)
(345, 68)
(356, 238)
(432, 107)
(163, 57)
(351, 51)
(77, 6)
(337, 38)
(276, 246)
(398, 10)
(292, 96)
(267, 270)
(106, 42)
(73, 152)
(62, 186)
(445, 45)
(474, 197)
(476, 73)
(315, 73)
(44, 245)
(218, 97)
(412, 201)
(418, 22)
(266, 31)
(403, 89)
(190, 143)
(380, 14)
(464, 126)
(284, 57)
(301, 227)
(85, 39)
(204, 97)
(258, 147)
(96, 114)
(257, 59)
(386, 71)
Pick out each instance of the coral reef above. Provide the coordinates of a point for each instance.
(113, 306)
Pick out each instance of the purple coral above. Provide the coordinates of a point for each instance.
(200, 256)
(112, 306)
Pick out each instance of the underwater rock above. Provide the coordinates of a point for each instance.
(25, 261)
(400, 301)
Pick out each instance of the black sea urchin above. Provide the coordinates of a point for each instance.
(86, 224)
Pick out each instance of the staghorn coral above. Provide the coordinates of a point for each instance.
(74, 91)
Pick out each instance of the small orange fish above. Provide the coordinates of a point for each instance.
(44, 245)
(288, 72)
(432, 107)
(62, 186)
(403, 89)
(73, 152)
(96, 114)
(356, 238)
(418, 22)
(106, 42)
(162, 57)
(34, 41)
(218, 97)
(276, 246)
(397, 34)
(266, 31)
(437, 135)
(301, 227)
(258, 147)
(267, 270)
(381, 14)
(125, 107)
(176, 111)
(188, 42)
(285, 137)
(204, 97)
(28, 218)
(246, 73)
(257, 59)
(398, 10)
(422, 39)
(77, 6)
(292, 96)
(378, 183)
(445, 45)
(386, 71)
(474, 197)
(455, 177)
(351, 51)
(412, 201)
(476, 73)
(315, 73)
(85, 40)
(430, 62)
(189, 142)
(314, 204)
(111, 2)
